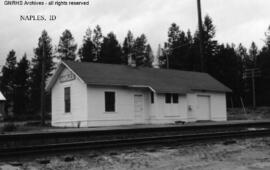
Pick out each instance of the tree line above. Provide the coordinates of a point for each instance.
(225, 62)
(21, 80)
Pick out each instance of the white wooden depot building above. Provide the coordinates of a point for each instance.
(92, 94)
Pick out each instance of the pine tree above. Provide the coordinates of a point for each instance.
(229, 70)
(87, 51)
(111, 51)
(44, 42)
(67, 46)
(263, 63)
(21, 83)
(247, 63)
(267, 40)
(223, 62)
(8, 72)
(142, 52)
(148, 61)
(128, 46)
(172, 46)
(162, 57)
(209, 43)
(7, 82)
(242, 52)
(177, 49)
(97, 41)
(253, 54)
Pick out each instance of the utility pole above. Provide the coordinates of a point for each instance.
(253, 88)
(252, 73)
(42, 96)
(167, 61)
(201, 35)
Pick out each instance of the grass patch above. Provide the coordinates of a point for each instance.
(259, 113)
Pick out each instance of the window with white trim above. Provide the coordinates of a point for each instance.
(171, 98)
(152, 97)
(109, 101)
(175, 98)
(168, 98)
(67, 99)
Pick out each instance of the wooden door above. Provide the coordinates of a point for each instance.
(139, 108)
(204, 111)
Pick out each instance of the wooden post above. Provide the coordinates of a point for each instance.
(167, 60)
(253, 88)
(232, 105)
(243, 105)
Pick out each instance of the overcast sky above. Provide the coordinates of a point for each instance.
(236, 21)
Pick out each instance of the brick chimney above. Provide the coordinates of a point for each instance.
(131, 61)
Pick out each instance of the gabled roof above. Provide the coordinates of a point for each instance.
(159, 80)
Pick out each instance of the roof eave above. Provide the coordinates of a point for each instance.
(122, 85)
(59, 69)
(217, 91)
(53, 78)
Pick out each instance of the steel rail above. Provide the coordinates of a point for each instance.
(87, 132)
(167, 139)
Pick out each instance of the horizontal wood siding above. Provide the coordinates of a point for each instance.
(124, 106)
(78, 96)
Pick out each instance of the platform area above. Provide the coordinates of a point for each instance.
(140, 127)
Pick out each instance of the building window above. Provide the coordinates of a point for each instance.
(110, 101)
(168, 98)
(152, 98)
(175, 98)
(67, 99)
(171, 98)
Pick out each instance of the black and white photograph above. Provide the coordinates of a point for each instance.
(134, 85)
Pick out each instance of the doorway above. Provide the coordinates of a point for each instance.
(139, 108)
(204, 111)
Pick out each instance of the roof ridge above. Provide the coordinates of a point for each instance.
(139, 67)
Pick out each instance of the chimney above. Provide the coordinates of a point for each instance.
(131, 61)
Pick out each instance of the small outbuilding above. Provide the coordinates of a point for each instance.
(93, 94)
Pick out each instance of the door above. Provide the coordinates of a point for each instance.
(204, 111)
(138, 108)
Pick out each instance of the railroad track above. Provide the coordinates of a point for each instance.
(134, 141)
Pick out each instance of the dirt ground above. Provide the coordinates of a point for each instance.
(244, 154)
